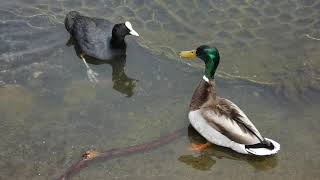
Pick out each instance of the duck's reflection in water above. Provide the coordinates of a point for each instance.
(211, 155)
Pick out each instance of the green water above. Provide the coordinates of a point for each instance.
(51, 113)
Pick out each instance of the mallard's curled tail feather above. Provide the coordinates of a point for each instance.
(263, 149)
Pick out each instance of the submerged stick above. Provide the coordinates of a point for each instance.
(91, 154)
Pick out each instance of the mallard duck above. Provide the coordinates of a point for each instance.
(98, 38)
(219, 120)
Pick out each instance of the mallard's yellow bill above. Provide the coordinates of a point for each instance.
(188, 54)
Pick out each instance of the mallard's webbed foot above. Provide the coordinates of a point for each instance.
(199, 147)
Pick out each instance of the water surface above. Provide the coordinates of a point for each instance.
(51, 113)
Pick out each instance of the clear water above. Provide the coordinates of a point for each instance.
(51, 113)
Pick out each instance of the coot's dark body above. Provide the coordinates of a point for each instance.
(95, 37)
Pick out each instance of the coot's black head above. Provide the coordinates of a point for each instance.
(119, 31)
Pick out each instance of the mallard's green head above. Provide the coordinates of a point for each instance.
(210, 56)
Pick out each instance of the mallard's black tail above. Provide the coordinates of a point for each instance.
(264, 144)
(265, 148)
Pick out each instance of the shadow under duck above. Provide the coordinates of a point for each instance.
(219, 120)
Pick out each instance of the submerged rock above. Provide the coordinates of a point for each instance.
(16, 104)
(80, 93)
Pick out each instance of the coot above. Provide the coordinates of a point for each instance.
(96, 37)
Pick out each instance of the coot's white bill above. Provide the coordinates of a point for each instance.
(132, 31)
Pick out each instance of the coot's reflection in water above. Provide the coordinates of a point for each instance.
(121, 82)
(209, 156)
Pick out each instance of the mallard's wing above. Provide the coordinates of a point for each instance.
(229, 119)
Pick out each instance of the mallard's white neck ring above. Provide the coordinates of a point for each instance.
(205, 78)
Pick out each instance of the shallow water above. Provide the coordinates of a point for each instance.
(51, 113)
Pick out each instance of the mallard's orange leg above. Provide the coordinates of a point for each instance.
(90, 154)
(199, 147)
